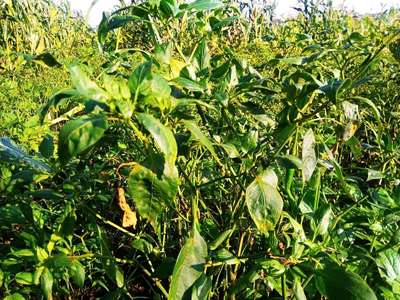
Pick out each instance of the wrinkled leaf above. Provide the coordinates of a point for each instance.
(152, 196)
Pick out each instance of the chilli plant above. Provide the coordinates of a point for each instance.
(177, 170)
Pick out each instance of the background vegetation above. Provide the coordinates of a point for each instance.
(186, 151)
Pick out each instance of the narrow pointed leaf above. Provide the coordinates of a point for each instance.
(164, 140)
(309, 159)
(10, 151)
(201, 137)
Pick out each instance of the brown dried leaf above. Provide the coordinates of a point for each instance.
(129, 218)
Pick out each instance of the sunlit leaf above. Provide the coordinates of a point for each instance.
(309, 159)
(164, 140)
(264, 204)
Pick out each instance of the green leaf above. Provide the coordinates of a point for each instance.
(202, 288)
(152, 196)
(309, 159)
(78, 135)
(200, 136)
(333, 88)
(169, 7)
(159, 87)
(56, 100)
(115, 273)
(298, 291)
(47, 59)
(269, 177)
(59, 260)
(289, 161)
(119, 278)
(220, 239)
(78, 273)
(46, 283)
(337, 283)
(86, 88)
(201, 5)
(201, 57)
(1, 278)
(356, 37)
(374, 175)
(110, 23)
(225, 256)
(46, 147)
(10, 151)
(141, 73)
(164, 140)
(324, 222)
(189, 267)
(15, 296)
(142, 245)
(264, 204)
(388, 263)
(37, 274)
(382, 197)
(189, 84)
(24, 278)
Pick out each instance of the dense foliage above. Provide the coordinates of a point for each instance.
(184, 151)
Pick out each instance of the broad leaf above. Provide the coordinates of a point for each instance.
(152, 196)
(15, 296)
(189, 84)
(264, 204)
(24, 278)
(337, 283)
(388, 263)
(78, 135)
(200, 5)
(189, 267)
(78, 273)
(86, 88)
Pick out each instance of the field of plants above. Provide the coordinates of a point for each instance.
(199, 150)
